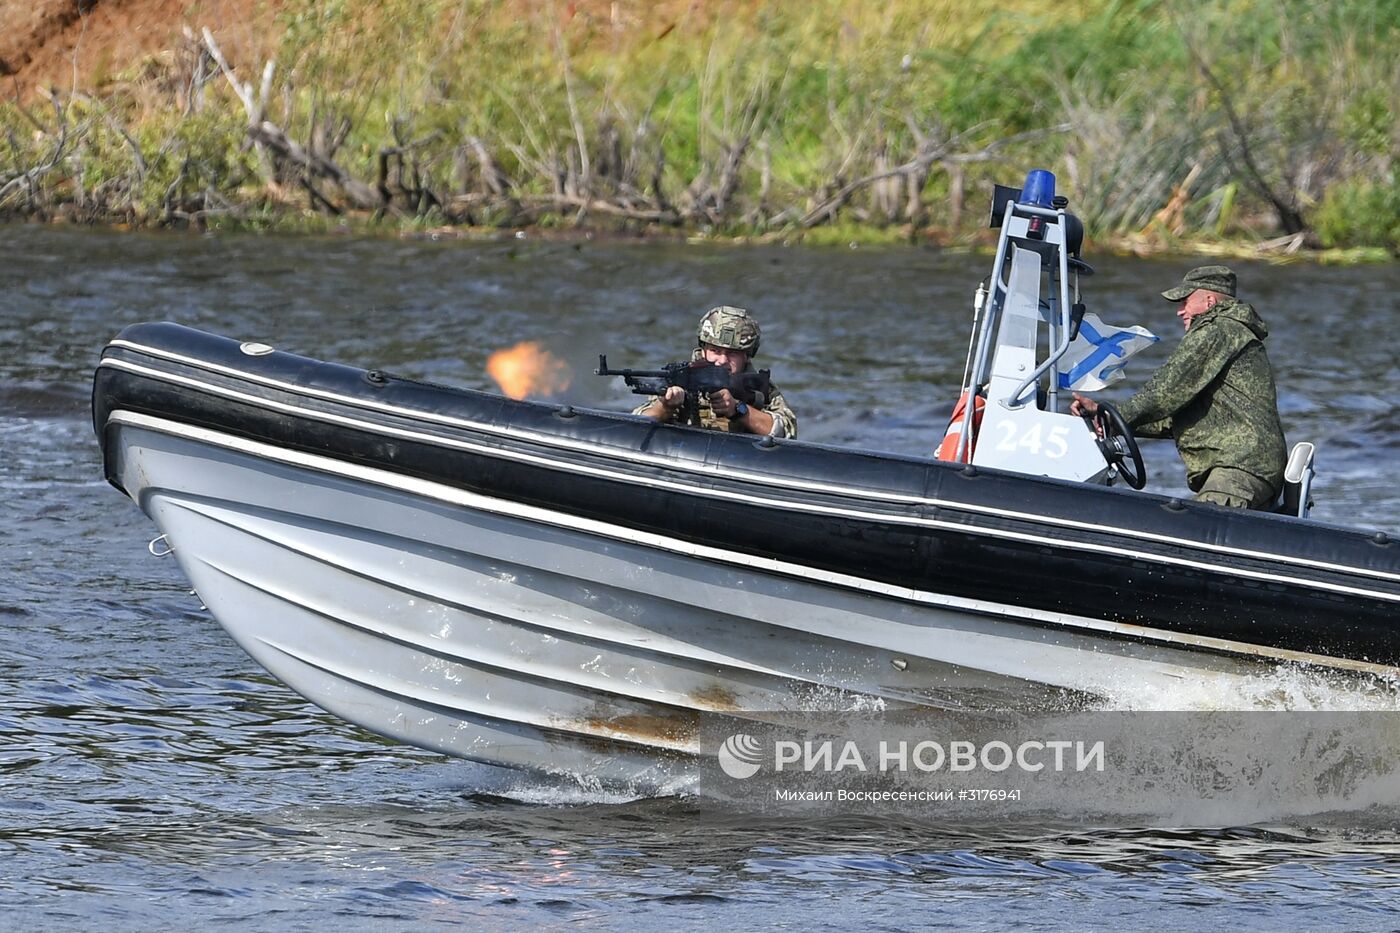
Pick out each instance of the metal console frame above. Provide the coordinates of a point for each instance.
(1027, 438)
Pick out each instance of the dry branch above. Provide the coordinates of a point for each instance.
(314, 165)
(1289, 217)
(929, 153)
(29, 179)
(314, 161)
(563, 202)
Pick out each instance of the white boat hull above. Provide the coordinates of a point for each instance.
(507, 634)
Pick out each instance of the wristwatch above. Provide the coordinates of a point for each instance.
(740, 410)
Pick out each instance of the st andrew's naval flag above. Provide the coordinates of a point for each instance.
(1095, 357)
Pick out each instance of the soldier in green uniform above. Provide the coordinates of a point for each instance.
(727, 336)
(1215, 396)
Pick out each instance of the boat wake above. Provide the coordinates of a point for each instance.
(1285, 687)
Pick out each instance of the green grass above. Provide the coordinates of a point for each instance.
(1256, 101)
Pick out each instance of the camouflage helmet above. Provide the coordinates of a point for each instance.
(729, 327)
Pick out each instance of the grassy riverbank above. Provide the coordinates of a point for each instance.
(1172, 125)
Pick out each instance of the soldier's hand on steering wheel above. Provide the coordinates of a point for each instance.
(1088, 409)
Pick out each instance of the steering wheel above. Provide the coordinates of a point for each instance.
(1119, 446)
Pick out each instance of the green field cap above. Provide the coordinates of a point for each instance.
(1212, 278)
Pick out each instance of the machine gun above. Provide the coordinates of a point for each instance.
(698, 378)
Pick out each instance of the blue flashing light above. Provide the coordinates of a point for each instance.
(1039, 188)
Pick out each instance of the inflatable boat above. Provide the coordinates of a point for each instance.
(545, 587)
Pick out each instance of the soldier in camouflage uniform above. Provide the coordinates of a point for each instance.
(727, 336)
(1215, 396)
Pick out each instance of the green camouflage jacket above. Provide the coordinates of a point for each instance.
(784, 421)
(1216, 397)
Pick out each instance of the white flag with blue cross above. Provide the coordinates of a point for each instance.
(1095, 357)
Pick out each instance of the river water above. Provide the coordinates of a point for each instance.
(151, 776)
